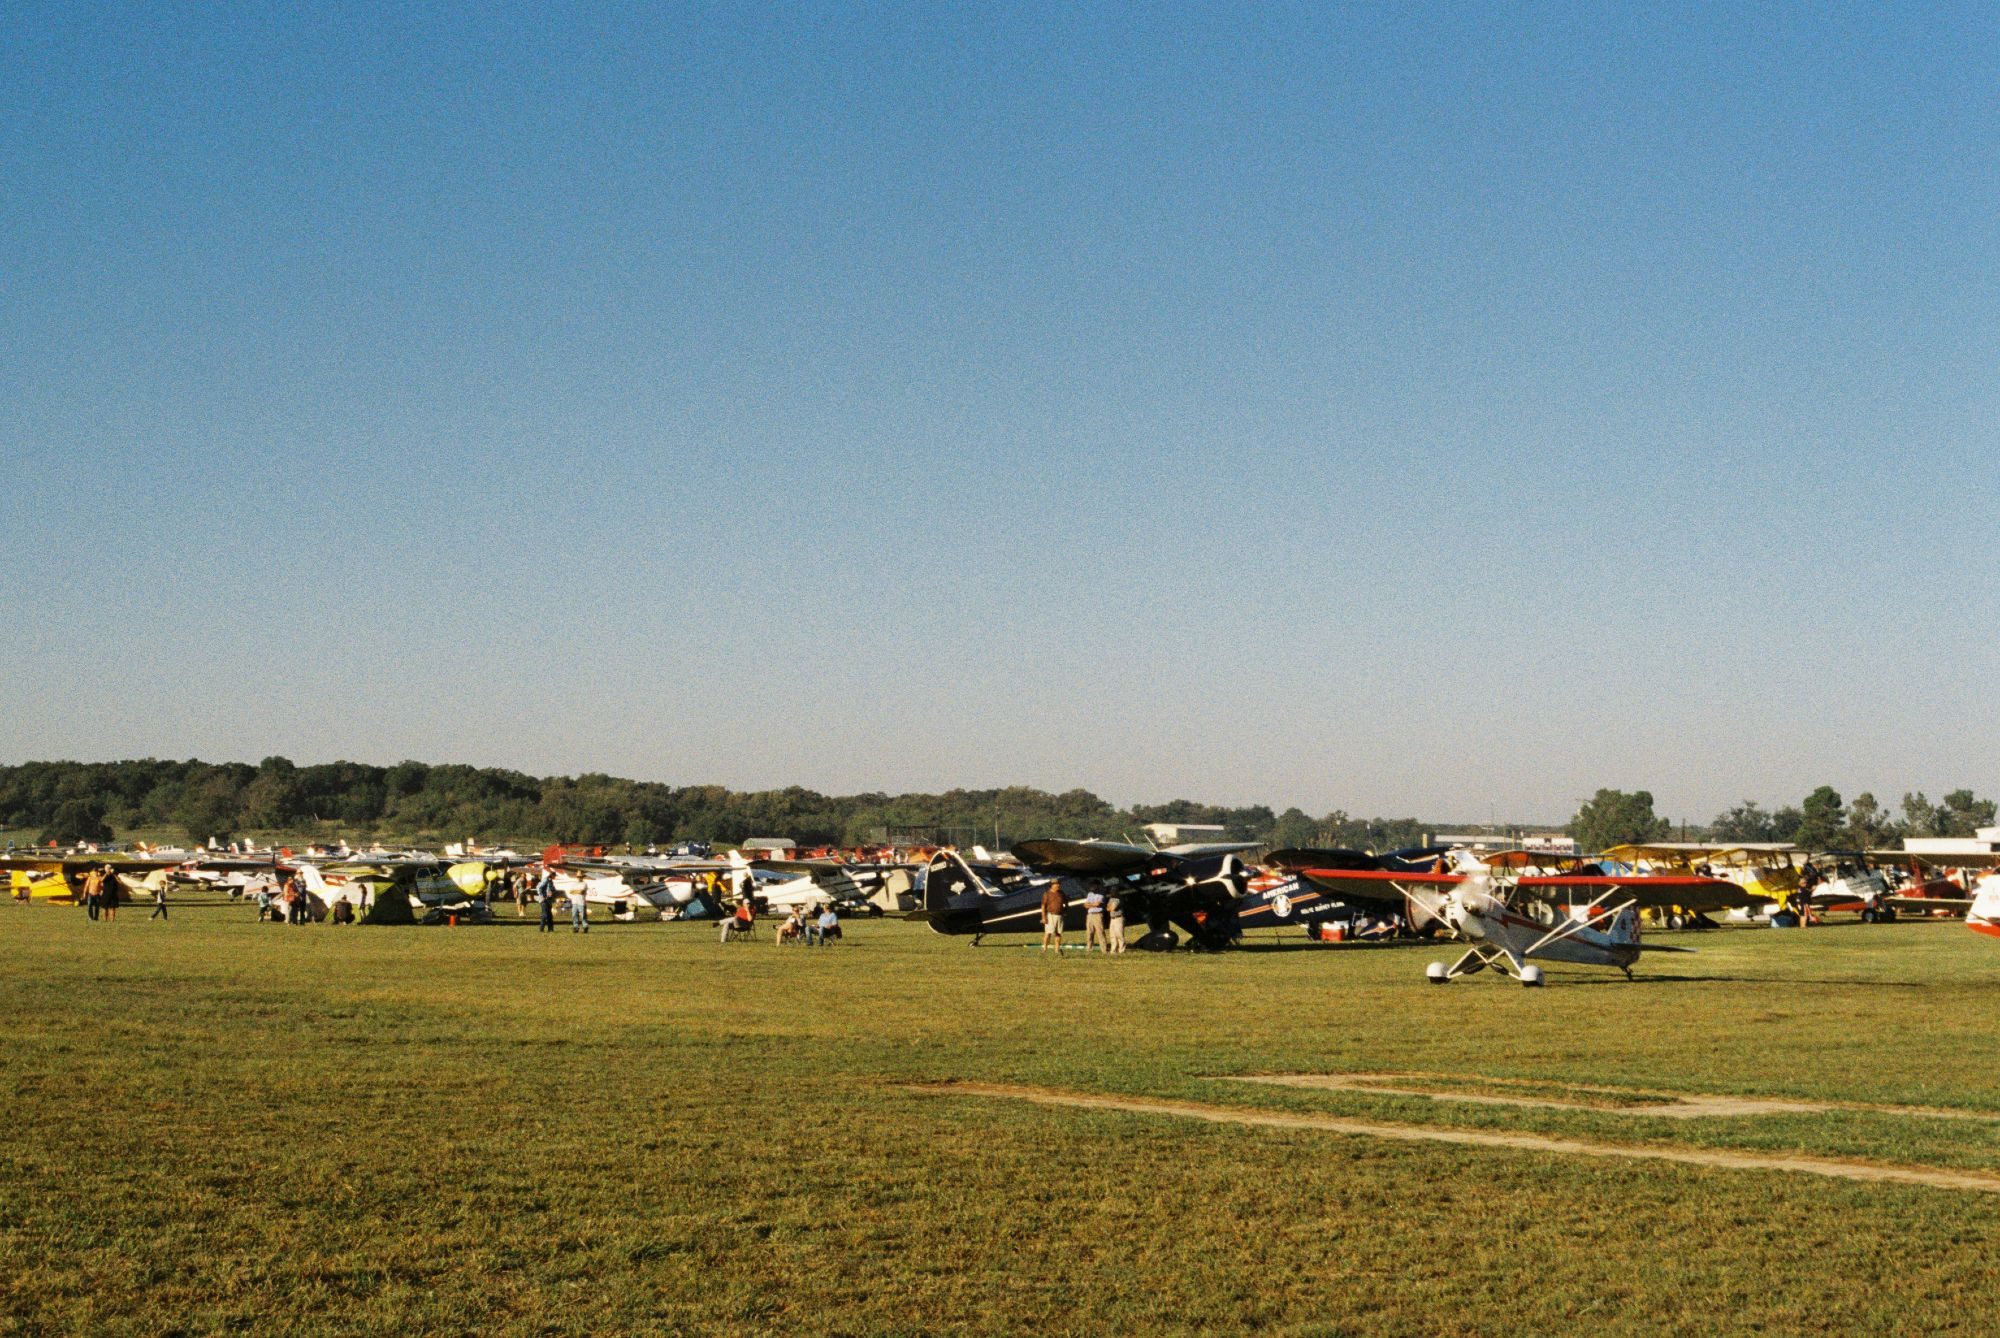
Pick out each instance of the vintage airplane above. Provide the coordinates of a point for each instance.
(58, 875)
(1195, 888)
(1280, 896)
(1769, 871)
(1508, 919)
(676, 887)
(431, 886)
(1981, 907)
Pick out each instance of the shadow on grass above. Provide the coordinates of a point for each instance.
(1609, 979)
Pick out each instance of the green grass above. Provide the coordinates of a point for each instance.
(211, 1124)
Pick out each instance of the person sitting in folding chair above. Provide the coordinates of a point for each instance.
(741, 923)
(827, 928)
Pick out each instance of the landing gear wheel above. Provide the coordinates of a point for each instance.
(1531, 976)
(1675, 920)
(1868, 915)
(1438, 973)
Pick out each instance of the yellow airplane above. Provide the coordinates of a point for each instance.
(1766, 869)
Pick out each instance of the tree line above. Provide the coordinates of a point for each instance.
(419, 802)
(1820, 821)
(424, 803)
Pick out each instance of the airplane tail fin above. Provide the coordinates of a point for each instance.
(948, 876)
(1624, 928)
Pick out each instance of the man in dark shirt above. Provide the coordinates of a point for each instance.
(1052, 915)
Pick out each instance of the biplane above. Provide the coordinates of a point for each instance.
(1980, 904)
(1768, 871)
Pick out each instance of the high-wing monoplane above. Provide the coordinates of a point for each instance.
(1195, 888)
(58, 875)
(1509, 919)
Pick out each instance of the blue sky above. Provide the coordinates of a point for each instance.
(1402, 408)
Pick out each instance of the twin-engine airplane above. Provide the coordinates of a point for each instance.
(1507, 920)
(1195, 888)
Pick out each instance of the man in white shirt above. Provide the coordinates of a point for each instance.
(1094, 937)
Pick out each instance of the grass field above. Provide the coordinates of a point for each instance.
(211, 1124)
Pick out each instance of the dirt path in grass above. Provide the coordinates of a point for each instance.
(1837, 1168)
(1671, 1105)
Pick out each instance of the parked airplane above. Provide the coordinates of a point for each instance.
(58, 875)
(674, 886)
(1769, 871)
(431, 886)
(1506, 920)
(1981, 908)
(1195, 888)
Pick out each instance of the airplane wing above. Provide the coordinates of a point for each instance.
(647, 865)
(835, 878)
(1292, 859)
(119, 862)
(1645, 891)
(1086, 859)
(1970, 859)
(1958, 904)
(1377, 885)
(1195, 850)
(1535, 859)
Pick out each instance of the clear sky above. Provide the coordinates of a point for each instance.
(1444, 410)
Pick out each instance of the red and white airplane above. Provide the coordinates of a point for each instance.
(1981, 908)
(1508, 918)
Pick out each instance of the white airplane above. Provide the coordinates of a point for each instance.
(427, 885)
(674, 886)
(1508, 920)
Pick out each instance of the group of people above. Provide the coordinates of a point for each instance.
(812, 930)
(100, 894)
(545, 895)
(291, 904)
(1103, 919)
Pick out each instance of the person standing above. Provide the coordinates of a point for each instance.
(1052, 916)
(579, 909)
(93, 887)
(518, 880)
(159, 881)
(1093, 922)
(1114, 906)
(107, 893)
(545, 897)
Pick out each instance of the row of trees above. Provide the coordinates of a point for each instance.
(70, 801)
(1820, 821)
